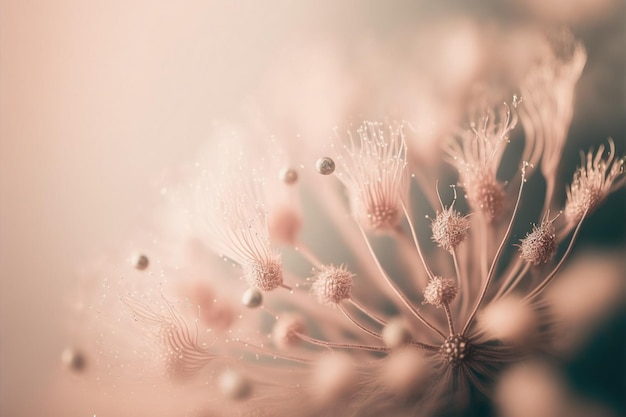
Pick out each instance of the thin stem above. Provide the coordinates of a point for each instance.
(446, 307)
(417, 245)
(357, 324)
(556, 269)
(511, 277)
(264, 351)
(366, 312)
(412, 263)
(492, 268)
(514, 284)
(463, 285)
(398, 293)
(425, 346)
(340, 345)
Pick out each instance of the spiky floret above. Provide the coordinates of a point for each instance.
(593, 181)
(540, 244)
(450, 228)
(440, 291)
(332, 284)
(373, 168)
(477, 156)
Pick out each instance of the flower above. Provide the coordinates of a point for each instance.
(368, 337)
(374, 172)
(478, 155)
(593, 182)
(233, 208)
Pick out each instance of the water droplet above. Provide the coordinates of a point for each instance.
(325, 166)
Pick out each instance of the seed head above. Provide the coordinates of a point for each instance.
(478, 154)
(374, 172)
(593, 181)
(539, 245)
(486, 195)
(440, 292)
(264, 274)
(449, 228)
(332, 284)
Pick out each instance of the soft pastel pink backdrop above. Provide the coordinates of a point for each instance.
(96, 99)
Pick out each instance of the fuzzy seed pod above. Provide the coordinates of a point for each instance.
(265, 276)
(449, 229)
(374, 170)
(440, 292)
(486, 195)
(593, 181)
(332, 284)
(539, 245)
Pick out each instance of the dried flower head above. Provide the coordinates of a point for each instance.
(182, 356)
(449, 227)
(539, 245)
(593, 181)
(548, 92)
(440, 291)
(233, 210)
(477, 156)
(332, 284)
(374, 171)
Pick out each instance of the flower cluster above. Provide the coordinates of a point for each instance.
(406, 324)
